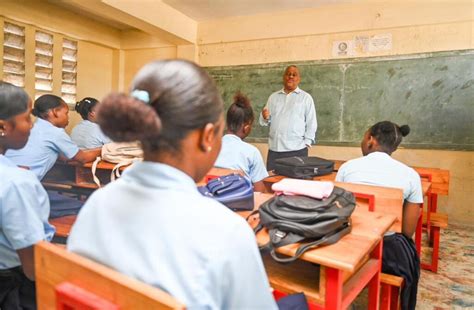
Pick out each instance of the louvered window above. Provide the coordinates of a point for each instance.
(43, 63)
(68, 83)
(14, 54)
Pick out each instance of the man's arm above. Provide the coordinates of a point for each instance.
(264, 116)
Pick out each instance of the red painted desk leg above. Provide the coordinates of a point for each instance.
(433, 208)
(435, 256)
(334, 285)
(374, 284)
(434, 202)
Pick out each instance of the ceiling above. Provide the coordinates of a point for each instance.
(201, 10)
(70, 6)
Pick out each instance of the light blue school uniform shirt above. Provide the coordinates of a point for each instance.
(292, 120)
(239, 155)
(153, 225)
(24, 211)
(44, 145)
(88, 135)
(379, 168)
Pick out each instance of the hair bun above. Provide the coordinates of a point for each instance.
(35, 111)
(405, 130)
(241, 100)
(124, 118)
(77, 107)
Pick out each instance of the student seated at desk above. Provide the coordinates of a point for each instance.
(48, 140)
(377, 167)
(24, 205)
(237, 154)
(153, 224)
(87, 134)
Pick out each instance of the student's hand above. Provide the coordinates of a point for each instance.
(265, 114)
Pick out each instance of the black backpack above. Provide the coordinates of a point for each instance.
(301, 167)
(292, 219)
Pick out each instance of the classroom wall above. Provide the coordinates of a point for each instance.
(97, 74)
(136, 58)
(416, 27)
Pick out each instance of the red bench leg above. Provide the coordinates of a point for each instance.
(390, 297)
(395, 298)
(385, 296)
(434, 257)
(433, 207)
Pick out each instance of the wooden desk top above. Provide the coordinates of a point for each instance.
(349, 252)
(63, 225)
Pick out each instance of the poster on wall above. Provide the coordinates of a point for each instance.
(343, 48)
(380, 42)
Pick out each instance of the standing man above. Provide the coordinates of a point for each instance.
(291, 115)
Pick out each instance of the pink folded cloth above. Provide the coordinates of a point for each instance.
(314, 189)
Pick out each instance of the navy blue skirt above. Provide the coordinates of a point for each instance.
(400, 259)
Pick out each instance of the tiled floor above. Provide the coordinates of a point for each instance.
(453, 286)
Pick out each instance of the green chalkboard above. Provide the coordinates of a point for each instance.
(433, 93)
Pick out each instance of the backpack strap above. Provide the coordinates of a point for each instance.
(94, 169)
(326, 240)
(115, 174)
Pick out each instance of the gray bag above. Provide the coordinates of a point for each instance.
(292, 219)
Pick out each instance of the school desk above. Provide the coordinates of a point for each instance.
(388, 201)
(373, 198)
(343, 269)
(76, 177)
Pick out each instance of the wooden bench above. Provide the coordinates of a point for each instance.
(438, 221)
(65, 280)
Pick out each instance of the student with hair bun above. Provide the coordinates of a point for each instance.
(377, 167)
(165, 233)
(87, 134)
(237, 154)
(48, 141)
(24, 205)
